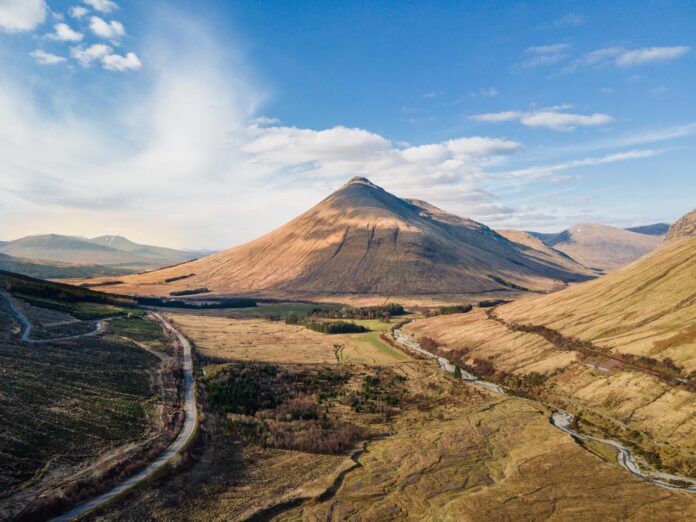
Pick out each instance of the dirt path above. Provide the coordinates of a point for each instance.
(560, 419)
(184, 437)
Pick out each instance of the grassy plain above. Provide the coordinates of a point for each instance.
(221, 339)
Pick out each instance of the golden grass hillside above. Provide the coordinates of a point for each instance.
(648, 308)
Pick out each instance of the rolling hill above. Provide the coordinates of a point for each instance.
(56, 270)
(601, 247)
(362, 240)
(107, 251)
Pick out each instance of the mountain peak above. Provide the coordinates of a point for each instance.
(362, 180)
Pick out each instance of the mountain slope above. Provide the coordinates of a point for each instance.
(364, 240)
(105, 250)
(544, 252)
(647, 308)
(601, 246)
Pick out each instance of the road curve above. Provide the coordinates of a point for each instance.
(560, 419)
(100, 326)
(184, 437)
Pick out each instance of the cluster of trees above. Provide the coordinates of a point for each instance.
(456, 309)
(503, 282)
(365, 312)
(193, 291)
(283, 409)
(327, 327)
(236, 302)
(490, 303)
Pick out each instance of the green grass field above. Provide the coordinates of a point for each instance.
(373, 339)
(141, 329)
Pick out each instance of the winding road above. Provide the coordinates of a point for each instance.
(560, 419)
(185, 435)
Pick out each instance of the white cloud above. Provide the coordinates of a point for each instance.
(85, 56)
(651, 55)
(108, 30)
(45, 58)
(560, 121)
(116, 62)
(78, 12)
(549, 118)
(64, 33)
(104, 6)
(21, 15)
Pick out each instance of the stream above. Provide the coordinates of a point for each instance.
(560, 419)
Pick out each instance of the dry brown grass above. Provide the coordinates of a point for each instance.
(220, 339)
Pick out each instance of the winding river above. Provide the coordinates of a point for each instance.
(562, 420)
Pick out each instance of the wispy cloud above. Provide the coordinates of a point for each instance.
(542, 171)
(650, 55)
(548, 118)
(44, 58)
(544, 55)
(569, 20)
(620, 57)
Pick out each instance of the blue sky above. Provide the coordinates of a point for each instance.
(206, 126)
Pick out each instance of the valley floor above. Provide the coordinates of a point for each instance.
(446, 450)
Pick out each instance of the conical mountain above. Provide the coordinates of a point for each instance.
(363, 240)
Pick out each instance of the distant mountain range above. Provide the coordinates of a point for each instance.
(362, 240)
(55, 256)
(602, 247)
